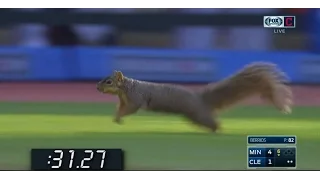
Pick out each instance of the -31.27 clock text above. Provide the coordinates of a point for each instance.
(77, 159)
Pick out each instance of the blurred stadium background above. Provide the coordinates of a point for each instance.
(50, 60)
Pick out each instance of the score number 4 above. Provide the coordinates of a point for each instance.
(72, 152)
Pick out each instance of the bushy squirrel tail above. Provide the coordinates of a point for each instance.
(259, 78)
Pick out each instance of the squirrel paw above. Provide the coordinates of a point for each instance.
(217, 128)
(220, 128)
(117, 121)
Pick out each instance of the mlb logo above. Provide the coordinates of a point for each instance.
(279, 21)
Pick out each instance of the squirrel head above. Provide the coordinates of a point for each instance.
(111, 84)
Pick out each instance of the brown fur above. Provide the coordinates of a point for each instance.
(264, 79)
(260, 78)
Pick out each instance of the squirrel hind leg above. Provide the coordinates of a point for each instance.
(206, 121)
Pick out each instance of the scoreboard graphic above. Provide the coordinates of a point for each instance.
(272, 152)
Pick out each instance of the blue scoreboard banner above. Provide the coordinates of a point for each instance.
(191, 66)
(17, 63)
(166, 65)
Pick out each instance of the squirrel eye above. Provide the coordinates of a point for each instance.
(108, 82)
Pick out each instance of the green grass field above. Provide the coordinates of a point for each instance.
(151, 141)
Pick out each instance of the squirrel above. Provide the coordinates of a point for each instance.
(201, 106)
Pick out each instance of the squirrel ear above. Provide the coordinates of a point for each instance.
(119, 75)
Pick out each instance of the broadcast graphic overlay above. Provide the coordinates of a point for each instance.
(279, 24)
(272, 152)
(77, 159)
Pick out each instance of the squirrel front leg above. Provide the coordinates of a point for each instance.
(124, 109)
